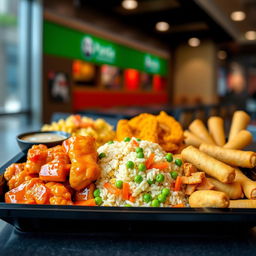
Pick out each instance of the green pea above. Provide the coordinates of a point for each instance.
(102, 155)
(130, 164)
(155, 203)
(140, 155)
(127, 139)
(159, 177)
(138, 149)
(150, 182)
(138, 179)
(174, 175)
(142, 167)
(119, 184)
(178, 162)
(111, 142)
(169, 157)
(127, 205)
(96, 192)
(166, 191)
(147, 198)
(138, 139)
(161, 198)
(98, 200)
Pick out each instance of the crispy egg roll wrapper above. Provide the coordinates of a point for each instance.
(232, 157)
(241, 140)
(209, 165)
(243, 203)
(248, 185)
(216, 130)
(233, 190)
(209, 198)
(240, 121)
(198, 128)
(191, 139)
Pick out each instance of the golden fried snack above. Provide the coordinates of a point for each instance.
(240, 121)
(37, 156)
(249, 186)
(211, 166)
(232, 157)
(244, 203)
(83, 155)
(123, 130)
(216, 129)
(205, 185)
(192, 139)
(170, 132)
(198, 128)
(209, 198)
(233, 190)
(15, 175)
(60, 195)
(241, 140)
(195, 178)
(147, 129)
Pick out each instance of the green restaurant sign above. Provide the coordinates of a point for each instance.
(65, 42)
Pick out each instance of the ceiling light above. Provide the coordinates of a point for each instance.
(222, 55)
(162, 26)
(193, 42)
(129, 4)
(250, 35)
(238, 16)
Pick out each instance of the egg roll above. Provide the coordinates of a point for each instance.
(199, 129)
(209, 198)
(191, 139)
(208, 164)
(243, 203)
(240, 121)
(241, 140)
(216, 129)
(233, 190)
(248, 186)
(234, 157)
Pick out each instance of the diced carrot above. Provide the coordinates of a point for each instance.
(90, 202)
(178, 206)
(112, 189)
(150, 160)
(77, 120)
(126, 191)
(178, 183)
(135, 143)
(160, 166)
(132, 199)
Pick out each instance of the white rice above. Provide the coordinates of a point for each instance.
(113, 168)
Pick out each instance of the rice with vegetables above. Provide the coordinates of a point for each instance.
(139, 173)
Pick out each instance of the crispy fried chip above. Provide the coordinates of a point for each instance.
(162, 129)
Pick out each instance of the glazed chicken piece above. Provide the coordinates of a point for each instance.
(85, 194)
(83, 155)
(57, 167)
(37, 156)
(60, 195)
(15, 175)
(29, 192)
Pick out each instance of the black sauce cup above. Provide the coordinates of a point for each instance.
(26, 145)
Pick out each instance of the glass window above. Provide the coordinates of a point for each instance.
(11, 94)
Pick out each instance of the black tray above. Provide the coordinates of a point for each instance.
(81, 218)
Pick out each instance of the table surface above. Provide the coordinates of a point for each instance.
(217, 242)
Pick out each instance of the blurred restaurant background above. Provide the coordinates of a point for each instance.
(118, 58)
